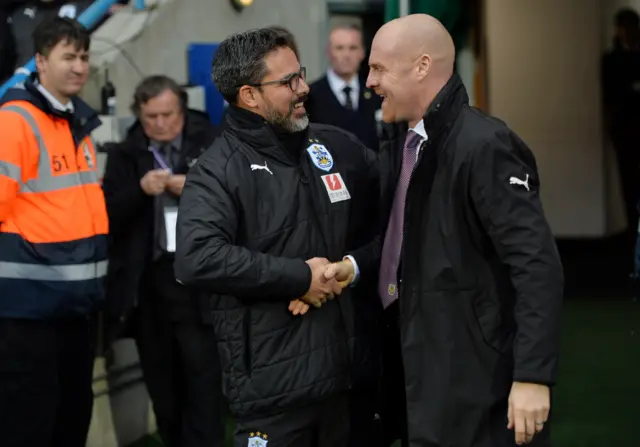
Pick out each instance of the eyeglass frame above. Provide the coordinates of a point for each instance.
(300, 75)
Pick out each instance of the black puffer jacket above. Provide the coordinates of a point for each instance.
(252, 211)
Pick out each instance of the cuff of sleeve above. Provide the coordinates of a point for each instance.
(356, 270)
(545, 378)
(299, 279)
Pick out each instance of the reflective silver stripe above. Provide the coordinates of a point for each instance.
(40, 272)
(51, 183)
(45, 180)
(10, 170)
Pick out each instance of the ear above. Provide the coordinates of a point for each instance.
(248, 96)
(424, 65)
(40, 59)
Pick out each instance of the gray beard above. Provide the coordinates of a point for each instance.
(287, 122)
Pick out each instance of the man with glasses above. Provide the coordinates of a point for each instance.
(262, 213)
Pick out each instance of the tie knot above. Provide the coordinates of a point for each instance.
(412, 140)
(347, 90)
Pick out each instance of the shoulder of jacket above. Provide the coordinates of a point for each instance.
(483, 132)
(221, 151)
(328, 131)
(17, 116)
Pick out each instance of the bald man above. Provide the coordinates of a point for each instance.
(470, 277)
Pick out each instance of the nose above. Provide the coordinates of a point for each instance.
(78, 66)
(371, 81)
(303, 87)
(160, 122)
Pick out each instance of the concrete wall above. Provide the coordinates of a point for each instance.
(543, 68)
(162, 47)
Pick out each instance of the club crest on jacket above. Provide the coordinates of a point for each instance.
(320, 157)
(257, 440)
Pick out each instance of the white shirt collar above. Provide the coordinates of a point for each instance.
(337, 85)
(54, 101)
(420, 130)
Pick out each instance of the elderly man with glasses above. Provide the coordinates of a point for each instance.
(262, 213)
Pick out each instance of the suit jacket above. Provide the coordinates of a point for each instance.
(323, 107)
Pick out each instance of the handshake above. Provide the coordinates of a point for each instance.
(327, 281)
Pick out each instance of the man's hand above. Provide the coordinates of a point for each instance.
(154, 182)
(321, 288)
(298, 307)
(175, 184)
(342, 271)
(529, 405)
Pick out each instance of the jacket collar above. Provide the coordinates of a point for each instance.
(254, 131)
(445, 107)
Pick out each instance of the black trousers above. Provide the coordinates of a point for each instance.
(393, 401)
(365, 427)
(46, 370)
(181, 367)
(325, 424)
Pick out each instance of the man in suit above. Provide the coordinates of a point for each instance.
(341, 98)
(143, 184)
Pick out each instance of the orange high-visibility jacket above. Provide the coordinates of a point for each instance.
(53, 219)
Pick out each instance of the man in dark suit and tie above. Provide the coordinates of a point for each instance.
(341, 98)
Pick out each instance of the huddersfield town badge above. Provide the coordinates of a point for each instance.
(257, 440)
(320, 157)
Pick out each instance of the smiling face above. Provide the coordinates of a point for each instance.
(394, 76)
(281, 95)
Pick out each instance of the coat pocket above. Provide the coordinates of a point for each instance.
(489, 316)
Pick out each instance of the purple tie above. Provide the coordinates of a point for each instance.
(387, 286)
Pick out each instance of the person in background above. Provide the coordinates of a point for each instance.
(621, 95)
(470, 276)
(53, 246)
(341, 98)
(261, 213)
(143, 184)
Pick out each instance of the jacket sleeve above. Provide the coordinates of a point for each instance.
(207, 256)
(14, 153)
(122, 191)
(504, 188)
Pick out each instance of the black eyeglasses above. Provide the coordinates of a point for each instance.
(293, 80)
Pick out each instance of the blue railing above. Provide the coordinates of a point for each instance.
(92, 15)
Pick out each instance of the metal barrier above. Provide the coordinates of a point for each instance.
(92, 15)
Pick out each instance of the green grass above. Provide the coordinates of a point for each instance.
(596, 401)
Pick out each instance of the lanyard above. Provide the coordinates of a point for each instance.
(160, 159)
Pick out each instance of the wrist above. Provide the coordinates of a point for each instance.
(351, 272)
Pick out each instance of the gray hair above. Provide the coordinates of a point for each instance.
(153, 86)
